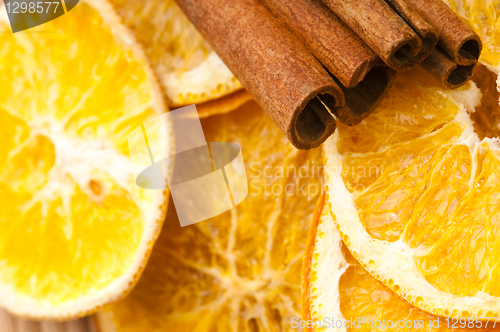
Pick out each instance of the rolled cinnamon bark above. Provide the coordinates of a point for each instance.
(361, 75)
(329, 39)
(456, 38)
(364, 97)
(425, 31)
(275, 68)
(382, 29)
(445, 70)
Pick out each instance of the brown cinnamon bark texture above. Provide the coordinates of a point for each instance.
(272, 64)
(385, 32)
(456, 38)
(364, 97)
(425, 31)
(445, 70)
(329, 39)
(363, 77)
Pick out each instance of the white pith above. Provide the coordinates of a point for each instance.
(329, 263)
(199, 80)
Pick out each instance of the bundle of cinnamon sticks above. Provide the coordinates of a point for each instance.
(307, 62)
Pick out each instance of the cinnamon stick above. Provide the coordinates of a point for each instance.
(447, 71)
(329, 39)
(275, 68)
(362, 76)
(382, 29)
(425, 31)
(366, 96)
(456, 38)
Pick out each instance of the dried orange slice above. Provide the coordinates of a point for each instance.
(189, 70)
(223, 105)
(414, 192)
(340, 295)
(239, 271)
(76, 229)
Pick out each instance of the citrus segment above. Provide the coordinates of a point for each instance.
(338, 292)
(189, 70)
(76, 230)
(414, 192)
(239, 271)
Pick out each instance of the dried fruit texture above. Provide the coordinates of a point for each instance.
(239, 271)
(75, 231)
(337, 287)
(414, 191)
(188, 69)
(223, 105)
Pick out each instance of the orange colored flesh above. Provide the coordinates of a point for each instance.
(307, 260)
(70, 97)
(183, 61)
(428, 189)
(411, 179)
(224, 104)
(239, 271)
(361, 295)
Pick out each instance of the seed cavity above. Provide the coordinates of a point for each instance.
(95, 187)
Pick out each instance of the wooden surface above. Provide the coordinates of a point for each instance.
(11, 324)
